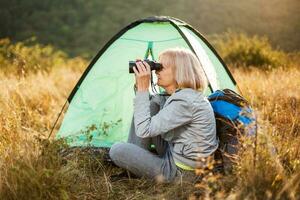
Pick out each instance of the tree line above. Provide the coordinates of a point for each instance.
(81, 27)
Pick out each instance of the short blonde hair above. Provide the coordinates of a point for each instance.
(186, 67)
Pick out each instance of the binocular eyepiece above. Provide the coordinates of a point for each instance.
(153, 65)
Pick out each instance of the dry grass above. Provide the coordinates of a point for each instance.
(276, 97)
(32, 168)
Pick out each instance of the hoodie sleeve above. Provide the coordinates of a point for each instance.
(176, 113)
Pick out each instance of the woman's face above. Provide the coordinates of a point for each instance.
(165, 76)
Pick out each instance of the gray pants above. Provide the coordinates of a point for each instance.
(135, 156)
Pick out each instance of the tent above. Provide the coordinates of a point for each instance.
(101, 104)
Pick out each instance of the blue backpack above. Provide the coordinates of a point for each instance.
(234, 118)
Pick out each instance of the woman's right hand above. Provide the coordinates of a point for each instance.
(142, 75)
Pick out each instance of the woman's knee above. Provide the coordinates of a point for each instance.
(117, 150)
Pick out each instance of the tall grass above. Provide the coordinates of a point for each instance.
(32, 167)
(275, 96)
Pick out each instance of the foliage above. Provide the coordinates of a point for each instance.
(82, 27)
(101, 129)
(240, 49)
(24, 57)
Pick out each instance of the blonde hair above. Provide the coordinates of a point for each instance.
(186, 67)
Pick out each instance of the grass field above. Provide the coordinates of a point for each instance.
(31, 168)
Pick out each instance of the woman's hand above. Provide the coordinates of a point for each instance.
(142, 75)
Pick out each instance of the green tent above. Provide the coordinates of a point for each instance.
(101, 104)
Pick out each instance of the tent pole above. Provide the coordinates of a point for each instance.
(52, 129)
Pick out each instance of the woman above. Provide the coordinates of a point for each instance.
(181, 128)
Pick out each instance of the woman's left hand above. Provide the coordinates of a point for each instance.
(142, 75)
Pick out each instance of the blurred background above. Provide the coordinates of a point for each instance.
(81, 28)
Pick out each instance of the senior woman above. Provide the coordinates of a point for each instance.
(180, 127)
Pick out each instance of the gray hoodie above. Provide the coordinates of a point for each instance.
(185, 119)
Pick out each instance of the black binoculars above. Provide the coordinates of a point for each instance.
(153, 65)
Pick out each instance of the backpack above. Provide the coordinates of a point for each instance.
(234, 118)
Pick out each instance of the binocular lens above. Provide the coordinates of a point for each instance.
(153, 65)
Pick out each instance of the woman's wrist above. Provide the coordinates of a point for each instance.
(142, 89)
(143, 85)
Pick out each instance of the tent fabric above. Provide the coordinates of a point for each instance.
(101, 104)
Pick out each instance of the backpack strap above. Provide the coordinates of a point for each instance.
(229, 96)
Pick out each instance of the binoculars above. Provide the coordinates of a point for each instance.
(153, 65)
